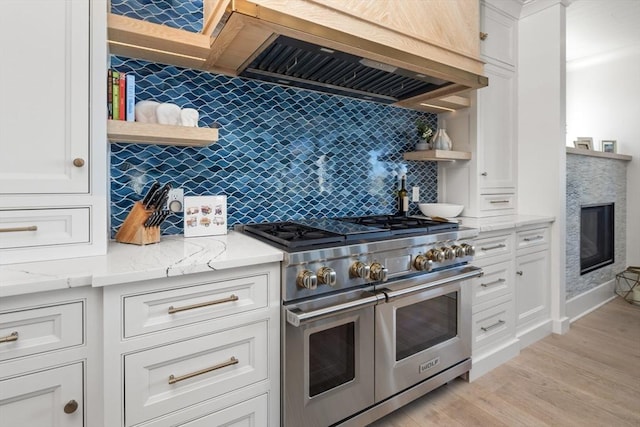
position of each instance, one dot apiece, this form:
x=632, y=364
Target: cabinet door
x=43, y=399
x=496, y=131
x=532, y=287
x=44, y=113
x=499, y=40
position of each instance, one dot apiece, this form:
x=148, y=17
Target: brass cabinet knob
x=78, y=162
x=483, y=36
x=70, y=407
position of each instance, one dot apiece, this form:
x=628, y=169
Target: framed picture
x=583, y=142
x=205, y=215
x=608, y=146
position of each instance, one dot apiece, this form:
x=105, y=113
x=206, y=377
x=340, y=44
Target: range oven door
x=328, y=359
x=422, y=329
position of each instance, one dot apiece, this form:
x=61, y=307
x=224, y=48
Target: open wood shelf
x=593, y=153
x=151, y=133
x=437, y=155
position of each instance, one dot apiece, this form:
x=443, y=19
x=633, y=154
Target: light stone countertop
x=173, y=256
x=504, y=222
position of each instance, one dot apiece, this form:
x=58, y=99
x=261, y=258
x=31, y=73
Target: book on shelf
x=131, y=97
x=109, y=94
x=123, y=94
x=116, y=94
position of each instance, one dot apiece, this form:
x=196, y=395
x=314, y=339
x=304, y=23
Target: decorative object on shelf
x=609, y=146
x=584, y=143
x=168, y=114
x=441, y=140
x=146, y=111
x=424, y=133
x=189, y=117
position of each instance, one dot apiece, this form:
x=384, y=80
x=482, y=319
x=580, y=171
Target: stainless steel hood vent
x=297, y=63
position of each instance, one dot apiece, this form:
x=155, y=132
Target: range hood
x=333, y=52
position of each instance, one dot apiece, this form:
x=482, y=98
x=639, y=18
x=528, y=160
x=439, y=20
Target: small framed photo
x=608, y=146
x=205, y=215
x=583, y=142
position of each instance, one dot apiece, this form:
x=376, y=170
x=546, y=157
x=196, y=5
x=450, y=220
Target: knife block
x=133, y=230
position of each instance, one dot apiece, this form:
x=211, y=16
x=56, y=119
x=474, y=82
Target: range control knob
x=378, y=272
x=359, y=270
x=326, y=276
x=421, y=263
x=435, y=255
x=449, y=254
x=306, y=279
x=458, y=251
x=469, y=250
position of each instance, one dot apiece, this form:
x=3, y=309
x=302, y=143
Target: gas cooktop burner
x=325, y=232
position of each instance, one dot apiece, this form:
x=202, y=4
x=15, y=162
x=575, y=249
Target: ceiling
x=596, y=27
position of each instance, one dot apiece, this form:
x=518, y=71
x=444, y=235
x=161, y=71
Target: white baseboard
x=534, y=333
x=561, y=326
x=590, y=300
x=491, y=360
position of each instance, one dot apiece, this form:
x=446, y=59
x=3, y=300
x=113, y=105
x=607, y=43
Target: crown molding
x=531, y=7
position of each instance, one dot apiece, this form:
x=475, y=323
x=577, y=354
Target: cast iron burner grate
x=399, y=225
x=292, y=235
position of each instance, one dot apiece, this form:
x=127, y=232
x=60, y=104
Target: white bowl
x=443, y=210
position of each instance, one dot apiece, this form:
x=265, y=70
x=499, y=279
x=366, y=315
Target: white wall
x=603, y=102
x=541, y=132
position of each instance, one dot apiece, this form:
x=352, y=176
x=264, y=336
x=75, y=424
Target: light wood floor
x=587, y=377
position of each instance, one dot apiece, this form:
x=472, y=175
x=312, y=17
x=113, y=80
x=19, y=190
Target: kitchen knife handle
x=150, y=193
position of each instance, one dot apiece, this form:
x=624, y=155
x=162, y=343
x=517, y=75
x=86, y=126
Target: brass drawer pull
x=490, y=248
x=495, y=325
x=532, y=239
x=10, y=338
x=13, y=229
x=495, y=282
x=203, y=304
x=498, y=201
x=483, y=35
x=174, y=379
x=519, y=273
x=70, y=407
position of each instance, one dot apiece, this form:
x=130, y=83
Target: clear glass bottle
x=441, y=140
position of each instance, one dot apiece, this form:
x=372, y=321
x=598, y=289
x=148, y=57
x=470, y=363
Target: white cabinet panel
x=251, y=413
x=496, y=281
x=40, y=329
x=44, y=227
x=39, y=399
x=44, y=116
x=492, y=326
x=532, y=287
x=176, y=307
x=165, y=379
x=499, y=43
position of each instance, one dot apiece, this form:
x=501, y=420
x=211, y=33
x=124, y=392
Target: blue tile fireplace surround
x=283, y=153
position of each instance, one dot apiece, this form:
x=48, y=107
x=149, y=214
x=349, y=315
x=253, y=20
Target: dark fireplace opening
x=596, y=237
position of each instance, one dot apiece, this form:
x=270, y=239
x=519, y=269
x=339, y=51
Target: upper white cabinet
x=53, y=170
x=487, y=185
x=44, y=118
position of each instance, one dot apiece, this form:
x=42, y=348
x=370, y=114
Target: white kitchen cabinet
x=50, y=398
x=50, y=368
x=493, y=320
x=194, y=350
x=52, y=130
x=532, y=285
x=486, y=185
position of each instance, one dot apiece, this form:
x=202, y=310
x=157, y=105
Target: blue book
x=130, y=98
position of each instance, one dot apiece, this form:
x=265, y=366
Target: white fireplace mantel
x=583, y=152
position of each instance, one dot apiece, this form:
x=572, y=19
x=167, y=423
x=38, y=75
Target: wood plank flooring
x=587, y=377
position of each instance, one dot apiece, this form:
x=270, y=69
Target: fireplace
x=596, y=237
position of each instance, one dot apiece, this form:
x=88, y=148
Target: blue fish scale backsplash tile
x=283, y=153
x=186, y=15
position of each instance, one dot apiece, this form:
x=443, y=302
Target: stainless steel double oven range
x=375, y=314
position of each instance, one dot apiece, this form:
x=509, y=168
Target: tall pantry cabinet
x=52, y=130
x=487, y=185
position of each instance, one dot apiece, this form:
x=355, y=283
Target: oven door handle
x=469, y=272
x=297, y=317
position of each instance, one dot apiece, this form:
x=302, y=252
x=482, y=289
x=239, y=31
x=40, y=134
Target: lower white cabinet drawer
x=251, y=413
x=43, y=227
x=37, y=330
x=493, y=246
x=166, y=309
x=504, y=203
x=48, y=398
x=165, y=379
x=492, y=325
x=496, y=281
x=535, y=237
